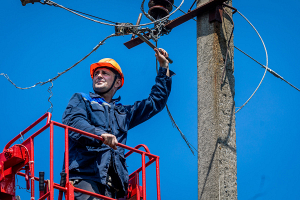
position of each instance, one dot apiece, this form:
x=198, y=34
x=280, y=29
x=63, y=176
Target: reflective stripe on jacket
x=89, y=158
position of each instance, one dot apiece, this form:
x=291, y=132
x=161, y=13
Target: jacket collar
x=94, y=95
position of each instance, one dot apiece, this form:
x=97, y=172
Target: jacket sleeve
x=147, y=108
x=76, y=116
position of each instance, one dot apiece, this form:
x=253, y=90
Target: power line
x=94, y=49
x=25, y=88
x=191, y=147
x=182, y=135
x=182, y=11
x=59, y=74
x=92, y=16
x=146, y=14
x=269, y=70
x=51, y=3
x=266, y=66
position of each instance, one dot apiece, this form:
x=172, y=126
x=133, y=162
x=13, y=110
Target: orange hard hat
x=108, y=63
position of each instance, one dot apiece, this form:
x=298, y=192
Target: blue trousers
x=95, y=187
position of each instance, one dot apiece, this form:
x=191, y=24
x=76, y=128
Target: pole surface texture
x=217, y=169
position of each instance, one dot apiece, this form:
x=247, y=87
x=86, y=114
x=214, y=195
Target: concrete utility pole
x=217, y=167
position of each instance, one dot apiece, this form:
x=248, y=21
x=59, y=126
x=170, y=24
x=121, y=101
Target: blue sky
x=39, y=41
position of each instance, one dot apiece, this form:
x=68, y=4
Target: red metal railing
x=69, y=189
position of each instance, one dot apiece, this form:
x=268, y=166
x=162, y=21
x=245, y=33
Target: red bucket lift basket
x=21, y=157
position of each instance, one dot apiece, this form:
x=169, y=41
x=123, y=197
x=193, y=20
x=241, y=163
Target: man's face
x=103, y=79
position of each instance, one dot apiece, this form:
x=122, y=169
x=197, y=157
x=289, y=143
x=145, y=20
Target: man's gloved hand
x=110, y=140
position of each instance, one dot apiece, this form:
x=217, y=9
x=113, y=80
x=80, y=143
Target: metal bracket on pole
x=216, y=14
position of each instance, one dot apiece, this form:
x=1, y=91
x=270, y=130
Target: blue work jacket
x=90, y=158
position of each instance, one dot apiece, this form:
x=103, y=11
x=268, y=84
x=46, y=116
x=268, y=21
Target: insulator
x=24, y=2
x=160, y=8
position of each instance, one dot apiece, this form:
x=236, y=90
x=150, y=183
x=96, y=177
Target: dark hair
x=115, y=72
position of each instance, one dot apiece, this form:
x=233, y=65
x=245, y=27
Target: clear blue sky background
x=38, y=41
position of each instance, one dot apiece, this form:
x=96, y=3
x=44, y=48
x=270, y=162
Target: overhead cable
x=146, y=14
x=25, y=88
x=266, y=66
x=94, y=49
x=269, y=70
x=192, y=5
x=60, y=6
x=183, y=12
x=191, y=147
x=59, y=74
x=92, y=16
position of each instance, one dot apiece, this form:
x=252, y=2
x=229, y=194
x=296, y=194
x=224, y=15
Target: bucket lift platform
x=20, y=157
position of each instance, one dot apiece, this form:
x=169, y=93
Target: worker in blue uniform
x=100, y=167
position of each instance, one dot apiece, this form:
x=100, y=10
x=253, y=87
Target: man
x=100, y=167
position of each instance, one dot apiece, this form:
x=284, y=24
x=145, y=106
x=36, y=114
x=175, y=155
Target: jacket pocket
x=97, y=115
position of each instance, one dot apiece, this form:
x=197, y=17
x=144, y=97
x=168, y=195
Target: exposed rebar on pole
x=216, y=109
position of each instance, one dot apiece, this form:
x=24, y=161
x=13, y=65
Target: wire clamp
x=123, y=28
x=48, y=2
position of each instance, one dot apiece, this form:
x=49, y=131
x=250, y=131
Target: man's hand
x=161, y=57
x=110, y=140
